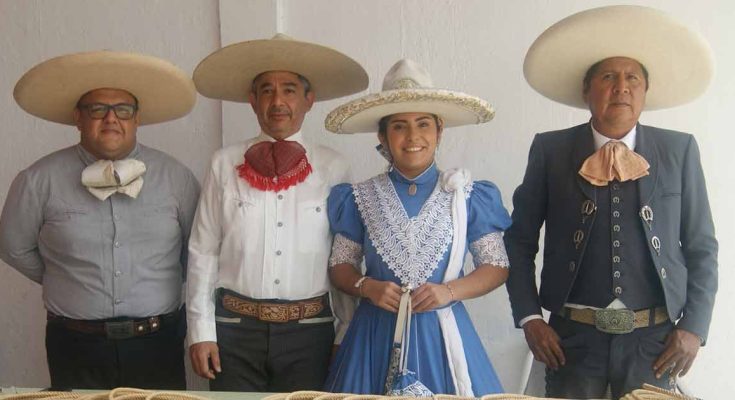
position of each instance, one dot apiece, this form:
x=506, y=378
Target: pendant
x=412, y=189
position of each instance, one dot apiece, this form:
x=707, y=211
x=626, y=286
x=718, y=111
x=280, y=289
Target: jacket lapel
x=584, y=146
x=646, y=147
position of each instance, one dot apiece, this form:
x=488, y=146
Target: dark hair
x=593, y=69
x=304, y=82
x=383, y=123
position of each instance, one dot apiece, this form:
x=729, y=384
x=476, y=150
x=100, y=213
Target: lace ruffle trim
x=490, y=249
x=411, y=247
x=345, y=251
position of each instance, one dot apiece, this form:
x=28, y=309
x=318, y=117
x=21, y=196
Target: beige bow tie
x=105, y=178
x=612, y=161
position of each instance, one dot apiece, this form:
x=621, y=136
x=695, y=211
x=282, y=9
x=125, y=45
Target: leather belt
x=123, y=329
x=616, y=321
x=274, y=312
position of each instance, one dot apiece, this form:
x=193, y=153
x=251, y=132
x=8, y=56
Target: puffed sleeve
x=346, y=226
x=487, y=218
x=486, y=213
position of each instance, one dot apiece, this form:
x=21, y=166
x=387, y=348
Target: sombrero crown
x=678, y=59
x=407, y=87
x=51, y=89
x=228, y=73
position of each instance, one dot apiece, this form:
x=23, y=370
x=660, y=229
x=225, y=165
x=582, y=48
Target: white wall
x=475, y=46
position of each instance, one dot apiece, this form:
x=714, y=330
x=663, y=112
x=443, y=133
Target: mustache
x=279, y=110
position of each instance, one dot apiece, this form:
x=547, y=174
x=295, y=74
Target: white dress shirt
x=262, y=244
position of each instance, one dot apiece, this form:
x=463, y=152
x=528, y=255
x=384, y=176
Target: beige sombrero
x=678, y=59
x=51, y=89
x=228, y=73
x=407, y=87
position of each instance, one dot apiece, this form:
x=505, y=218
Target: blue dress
x=362, y=361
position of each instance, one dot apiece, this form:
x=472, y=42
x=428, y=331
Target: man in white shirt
x=258, y=304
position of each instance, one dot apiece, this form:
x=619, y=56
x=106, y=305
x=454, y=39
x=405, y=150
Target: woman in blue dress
x=413, y=225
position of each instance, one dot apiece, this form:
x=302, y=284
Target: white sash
x=456, y=180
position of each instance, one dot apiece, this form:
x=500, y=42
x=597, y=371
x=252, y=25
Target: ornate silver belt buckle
x=616, y=322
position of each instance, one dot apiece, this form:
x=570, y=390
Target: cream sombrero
x=407, y=87
x=51, y=89
x=228, y=73
x=678, y=59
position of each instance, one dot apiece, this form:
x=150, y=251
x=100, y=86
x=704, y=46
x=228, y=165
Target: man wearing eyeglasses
x=103, y=225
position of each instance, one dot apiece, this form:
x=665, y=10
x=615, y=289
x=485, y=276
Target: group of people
x=296, y=278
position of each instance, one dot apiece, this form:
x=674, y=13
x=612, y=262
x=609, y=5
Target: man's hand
x=384, y=294
x=678, y=355
x=544, y=343
x=205, y=359
x=430, y=296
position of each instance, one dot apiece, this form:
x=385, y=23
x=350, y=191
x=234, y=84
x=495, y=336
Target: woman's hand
x=384, y=294
x=430, y=296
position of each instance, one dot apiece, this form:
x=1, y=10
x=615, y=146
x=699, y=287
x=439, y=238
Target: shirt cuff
x=530, y=318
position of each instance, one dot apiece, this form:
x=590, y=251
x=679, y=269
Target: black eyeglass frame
x=114, y=107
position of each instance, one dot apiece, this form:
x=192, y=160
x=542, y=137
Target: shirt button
x=280, y=197
x=616, y=243
x=278, y=252
x=277, y=281
x=616, y=259
x=118, y=273
x=117, y=244
x=616, y=199
x=618, y=290
x=663, y=273
x=616, y=228
x=616, y=214
x=615, y=186
x=318, y=209
x=116, y=217
x=280, y=224
x=616, y=274
x=118, y=301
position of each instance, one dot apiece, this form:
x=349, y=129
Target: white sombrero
x=407, y=87
x=51, y=89
x=228, y=73
x=678, y=59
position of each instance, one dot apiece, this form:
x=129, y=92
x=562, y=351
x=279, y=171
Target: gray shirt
x=100, y=259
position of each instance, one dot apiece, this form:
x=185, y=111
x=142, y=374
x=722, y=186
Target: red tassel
x=293, y=177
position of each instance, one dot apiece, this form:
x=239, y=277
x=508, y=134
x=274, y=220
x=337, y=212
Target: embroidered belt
x=616, y=321
x=123, y=329
x=275, y=312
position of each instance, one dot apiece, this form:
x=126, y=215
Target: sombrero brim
x=678, y=59
x=363, y=114
x=228, y=73
x=51, y=89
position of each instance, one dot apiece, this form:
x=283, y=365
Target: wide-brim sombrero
x=407, y=87
x=228, y=73
x=678, y=59
x=51, y=89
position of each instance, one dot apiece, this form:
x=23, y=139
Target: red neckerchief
x=275, y=166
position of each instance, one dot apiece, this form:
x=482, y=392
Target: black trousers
x=90, y=361
x=259, y=356
x=595, y=360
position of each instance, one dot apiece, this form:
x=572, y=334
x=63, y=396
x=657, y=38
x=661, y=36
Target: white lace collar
x=411, y=247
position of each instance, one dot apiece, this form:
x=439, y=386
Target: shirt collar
x=296, y=137
x=600, y=139
x=87, y=157
x=428, y=176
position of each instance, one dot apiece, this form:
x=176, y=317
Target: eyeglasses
x=123, y=111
